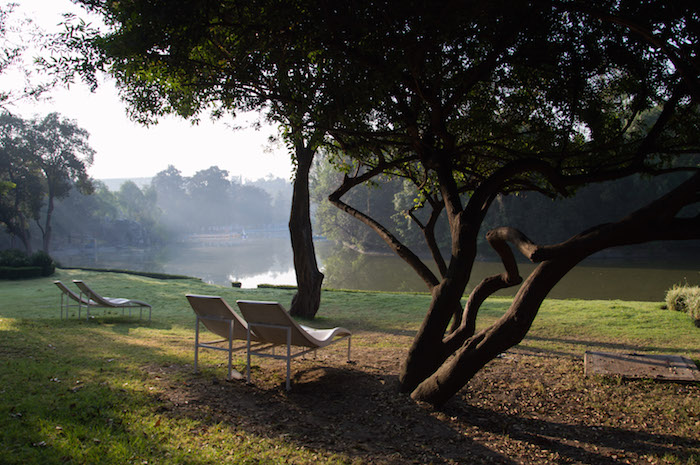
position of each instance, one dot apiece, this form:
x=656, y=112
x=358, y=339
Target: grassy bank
x=119, y=390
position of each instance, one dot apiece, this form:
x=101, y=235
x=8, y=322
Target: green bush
x=16, y=264
x=43, y=261
x=276, y=286
x=685, y=299
x=14, y=257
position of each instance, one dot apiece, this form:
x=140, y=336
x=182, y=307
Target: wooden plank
x=661, y=367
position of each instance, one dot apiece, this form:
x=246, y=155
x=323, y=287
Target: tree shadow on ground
x=356, y=410
x=338, y=410
x=582, y=343
x=577, y=442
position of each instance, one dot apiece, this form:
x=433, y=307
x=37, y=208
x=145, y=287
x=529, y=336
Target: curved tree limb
x=428, y=230
x=498, y=239
x=392, y=241
x=656, y=221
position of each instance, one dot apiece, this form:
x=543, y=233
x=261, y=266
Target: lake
x=269, y=261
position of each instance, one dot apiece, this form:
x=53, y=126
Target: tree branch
x=392, y=241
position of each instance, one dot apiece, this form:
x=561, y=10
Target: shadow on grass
x=585, y=344
x=577, y=443
x=349, y=409
x=338, y=410
x=117, y=323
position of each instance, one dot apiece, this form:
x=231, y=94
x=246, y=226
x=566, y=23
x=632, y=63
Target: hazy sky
x=126, y=149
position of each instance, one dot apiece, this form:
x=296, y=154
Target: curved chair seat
x=218, y=317
x=271, y=323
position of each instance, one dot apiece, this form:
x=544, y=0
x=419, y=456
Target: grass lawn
x=120, y=390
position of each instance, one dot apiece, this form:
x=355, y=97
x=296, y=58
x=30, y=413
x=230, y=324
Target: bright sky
x=125, y=149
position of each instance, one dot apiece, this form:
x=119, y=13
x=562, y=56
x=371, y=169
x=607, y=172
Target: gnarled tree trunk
x=462, y=354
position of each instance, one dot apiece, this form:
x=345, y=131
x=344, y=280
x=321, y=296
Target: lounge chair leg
x=196, y=344
x=247, y=367
x=230, y=349
x=289, y=358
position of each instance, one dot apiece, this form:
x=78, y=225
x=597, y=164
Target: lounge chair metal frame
x=68, y=295
x=288, y=330
x=107, y=302
x=289, y=355
x=216, y=344
x=210, y=344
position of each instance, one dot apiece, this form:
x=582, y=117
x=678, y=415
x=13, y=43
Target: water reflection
x=269, y=261
x=591, y=280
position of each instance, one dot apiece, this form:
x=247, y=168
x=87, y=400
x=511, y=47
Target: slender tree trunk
x=25, y=238
x=21, y=230
x=47, y=225
x=309, y=279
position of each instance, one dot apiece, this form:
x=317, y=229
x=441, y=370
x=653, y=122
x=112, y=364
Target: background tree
x=169, y=185
x=43, y=158
x=210, y=195
x=21, y=201
x=62, y=151
x=139, y=205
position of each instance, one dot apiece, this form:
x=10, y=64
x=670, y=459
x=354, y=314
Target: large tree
x=22, y=197
x=503, y=97
x=61, y=149
x=190, y=57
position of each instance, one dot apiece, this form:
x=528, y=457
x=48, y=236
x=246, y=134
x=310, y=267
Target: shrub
x=13, y=257
x=19, y=272
x=43, y=261
x=685, y=299
x=15, y=264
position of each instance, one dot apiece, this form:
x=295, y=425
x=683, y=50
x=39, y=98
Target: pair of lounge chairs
x=91, y=299
x=264, y=326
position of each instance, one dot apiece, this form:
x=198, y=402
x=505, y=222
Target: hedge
x=20, y=272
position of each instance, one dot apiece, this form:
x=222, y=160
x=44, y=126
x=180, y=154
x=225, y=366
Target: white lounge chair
x=111, y=302
x=218, y=317
x=271, y=323
x=67, y=295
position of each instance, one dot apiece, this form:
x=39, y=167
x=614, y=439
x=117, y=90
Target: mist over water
x=269, y=261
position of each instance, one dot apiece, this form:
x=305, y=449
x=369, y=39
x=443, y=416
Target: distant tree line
x=209, y=200
x=48, y=200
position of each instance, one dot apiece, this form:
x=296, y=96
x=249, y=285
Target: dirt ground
x=526, y=407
